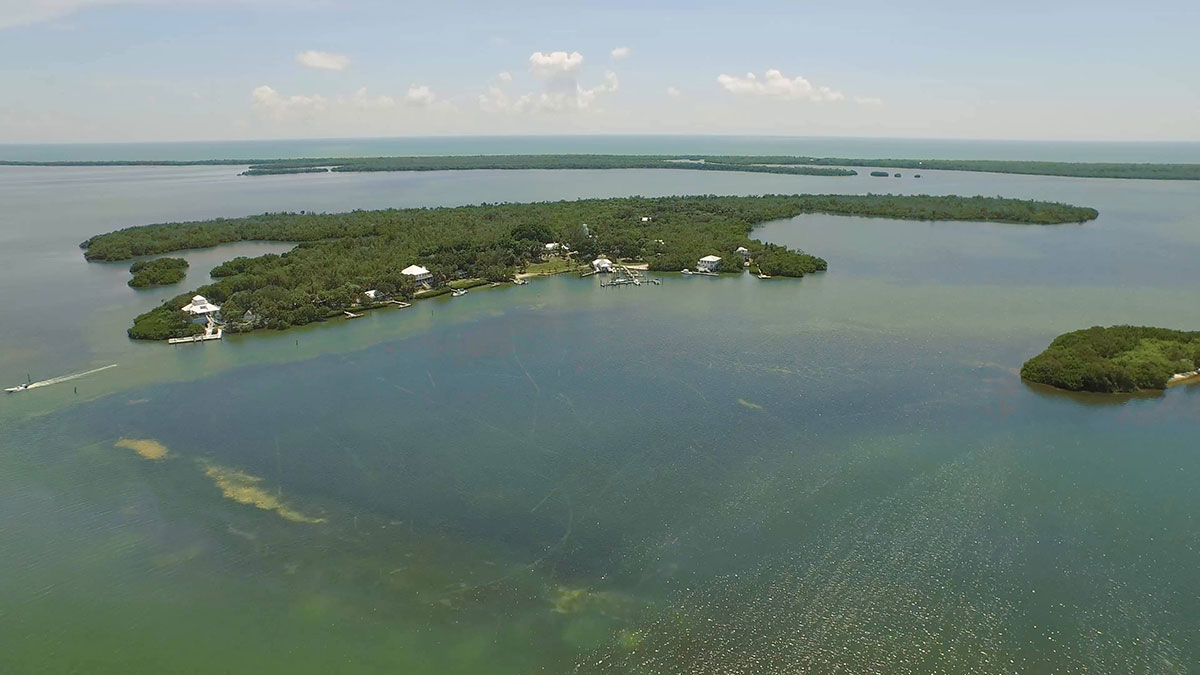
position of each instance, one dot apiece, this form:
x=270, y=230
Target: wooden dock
x=211, y=332
x=195, y=338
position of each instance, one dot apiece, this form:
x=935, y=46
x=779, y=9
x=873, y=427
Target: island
x=779, y=164
x=157, y=272
x=1117, y=359
x=362, y=259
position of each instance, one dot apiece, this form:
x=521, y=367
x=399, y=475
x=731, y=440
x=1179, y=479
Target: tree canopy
x=340, y=256
x=1115, y=359
x=158, y=272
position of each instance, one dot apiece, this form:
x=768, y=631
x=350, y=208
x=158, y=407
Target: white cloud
x=505, y=76
x=621, y=52
x=495, y=100
x=555, y=64
x=674, y=91
x=362, y=100
x=561, y=90
x=270, y=104
x=323, y=60
x=775, y=84
x=420, y=95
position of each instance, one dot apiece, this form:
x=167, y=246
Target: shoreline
x=1180, y=378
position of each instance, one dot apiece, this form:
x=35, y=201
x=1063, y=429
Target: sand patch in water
x=148, y=448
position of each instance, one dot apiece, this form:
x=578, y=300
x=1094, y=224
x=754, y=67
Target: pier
x=627, y=276
x=211, y=332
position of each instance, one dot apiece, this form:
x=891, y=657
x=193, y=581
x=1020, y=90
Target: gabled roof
x=414, y=270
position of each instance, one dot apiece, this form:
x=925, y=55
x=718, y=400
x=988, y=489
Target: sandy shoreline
x=1178, y=378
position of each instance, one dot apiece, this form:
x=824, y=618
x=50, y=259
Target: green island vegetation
x=517, y=162
x=158, y=272
x=787, y=164
x=1115, y=359
x=340, y=256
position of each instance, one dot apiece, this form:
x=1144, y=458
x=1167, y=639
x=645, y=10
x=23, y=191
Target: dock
x=211, y=332
x=195, y=338
x=350, y=315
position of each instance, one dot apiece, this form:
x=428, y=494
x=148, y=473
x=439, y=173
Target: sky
x=174, y=70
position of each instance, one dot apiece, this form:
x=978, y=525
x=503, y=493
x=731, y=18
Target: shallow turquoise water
x=841, y=473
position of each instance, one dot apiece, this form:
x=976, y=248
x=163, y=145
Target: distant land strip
x=780, y=164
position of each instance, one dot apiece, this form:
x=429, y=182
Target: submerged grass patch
x=243, y=488
x=148, y=448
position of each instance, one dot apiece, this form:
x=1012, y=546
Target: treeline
x=158, y=272
x=135, y=162
x=1115, y=359
x=525, y=162
x=340, y=256
x=1072, y=169
x=789, y=164
x=426, y=226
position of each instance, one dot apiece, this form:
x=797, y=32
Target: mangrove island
x=158, y=272
x=362, y=259
x=1118, y=359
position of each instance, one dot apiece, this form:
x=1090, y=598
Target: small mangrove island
x=363, y=259
x=157, y=272
x=1118, y=359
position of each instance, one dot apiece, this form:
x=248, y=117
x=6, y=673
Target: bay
x=711, y=475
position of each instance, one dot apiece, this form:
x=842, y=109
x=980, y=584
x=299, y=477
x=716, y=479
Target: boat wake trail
x=57, y=380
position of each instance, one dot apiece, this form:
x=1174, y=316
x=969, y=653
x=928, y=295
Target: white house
x=554, y=246
x=602, y=265
x=372, y=294
x=645, y=219
x=199, y=306
x=419, y=274
x=708, y=263
x=744, y=251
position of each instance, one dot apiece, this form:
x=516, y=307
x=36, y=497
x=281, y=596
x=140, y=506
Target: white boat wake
x=57, y=380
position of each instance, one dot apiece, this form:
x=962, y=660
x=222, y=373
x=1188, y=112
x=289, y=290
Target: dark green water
x=837, y=474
